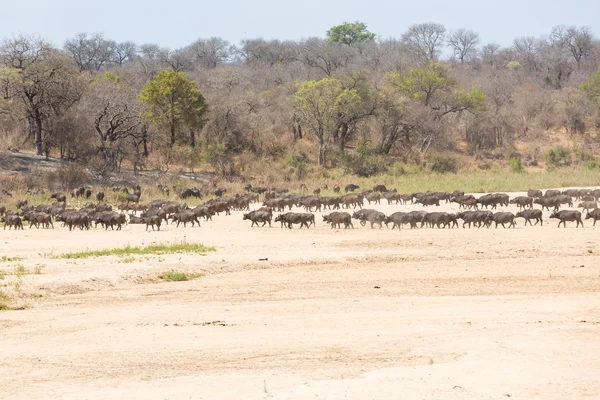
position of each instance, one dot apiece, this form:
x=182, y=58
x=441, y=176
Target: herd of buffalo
x=473, y=212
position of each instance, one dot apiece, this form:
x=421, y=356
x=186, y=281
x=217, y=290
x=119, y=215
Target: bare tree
x=464, y=44
x=425, y=40
x=125, y=51
x=326, y=56
x=211, y=52
x=526, y=52
x=90, y=52
x=578, y=40
x=489, y=54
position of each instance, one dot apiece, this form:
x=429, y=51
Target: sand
x=331, y=314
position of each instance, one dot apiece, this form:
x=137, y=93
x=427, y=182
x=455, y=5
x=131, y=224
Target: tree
x=174, y=102
x=350, y=33
x=91, y=52
x=326, y=56
x=464, y=44
x=578, y=41
x=425, y=40
x=125, y=51
x=112, y=111
x=431, y=97
x=526, y=52
x=48, y=83
x=322, y=106
x=211, y=52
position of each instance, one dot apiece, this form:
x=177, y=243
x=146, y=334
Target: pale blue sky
x=176, y=23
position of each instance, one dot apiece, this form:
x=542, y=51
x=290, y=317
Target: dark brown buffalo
x=588, y=205
x=552, y=193
x=289, y=219
x=259, y=216
x=100, y=196
x=61, y=198
x=595, y=215
x=37, y=218
x=523, y=201
x=373, y=197
x=336, y=219
x=440, y=219
x=528, y=215
x=397, y=219
x=351, y=187
x=534, y=193
x=371, y=216
x=429, y=200
x=477, y=218
x=565, y=216
x=336, y=188
x=380, y=188
x=185, y=217
x=501, y=218
x=12, y=221
x=152, y=221
x=415, y=217
x=547, y=202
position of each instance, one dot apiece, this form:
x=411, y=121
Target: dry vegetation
x=395, y=108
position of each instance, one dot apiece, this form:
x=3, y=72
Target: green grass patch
x=10, y=259
x=178, y=276
x=153, y=249
x=19, y=271
x=482, y=181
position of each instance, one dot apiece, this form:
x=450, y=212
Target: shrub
x=593, y=164
x=178, y=276
x=516, y=165
x=299, y=164
x=558, y=157
x=442, y=164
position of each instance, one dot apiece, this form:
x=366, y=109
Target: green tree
x=46, y=82
x=591, y=86
x=350, y=33
x=174, y=102
x=323, y=106
x=436, y=90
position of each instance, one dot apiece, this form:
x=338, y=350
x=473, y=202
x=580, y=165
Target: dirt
x=331, y=314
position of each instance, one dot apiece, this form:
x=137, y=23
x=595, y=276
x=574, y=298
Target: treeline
x=341, y=100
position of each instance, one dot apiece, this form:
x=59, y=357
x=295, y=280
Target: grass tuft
x=178, y=276
x=195, y=248
x=10, y=259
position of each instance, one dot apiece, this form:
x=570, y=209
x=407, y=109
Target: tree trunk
x=145, y=139
x=322, y=152
x=38, y=133
x=172, y=134
x=192, y=138
x=343, y=137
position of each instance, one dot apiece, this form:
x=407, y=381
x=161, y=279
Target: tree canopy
x=174, y=102
x=350, y=33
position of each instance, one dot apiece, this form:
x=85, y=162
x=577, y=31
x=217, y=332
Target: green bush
x=366, y=161
x=593, y=164
x=558, y=157
x=442, y=164
x=516, y=165
x=299, y=164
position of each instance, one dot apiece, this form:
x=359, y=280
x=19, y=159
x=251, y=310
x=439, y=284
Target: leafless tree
x=211, y=52
x=91, y=52
x=425, y=40
x=125, y=51
x=463, y=43
x=526, y=52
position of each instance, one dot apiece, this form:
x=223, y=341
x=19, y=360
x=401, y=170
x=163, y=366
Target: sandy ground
x=332, y=314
